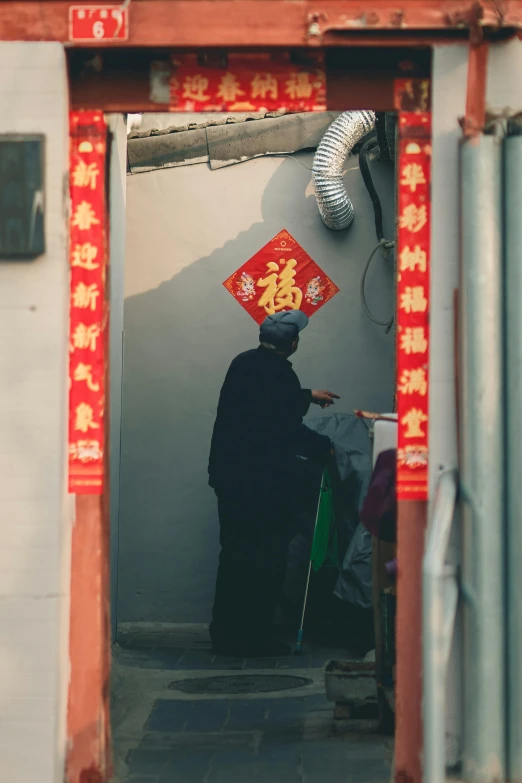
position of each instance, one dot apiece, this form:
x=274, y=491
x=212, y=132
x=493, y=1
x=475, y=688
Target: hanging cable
x=382, y=139
x=369, y=145
x=385, y=245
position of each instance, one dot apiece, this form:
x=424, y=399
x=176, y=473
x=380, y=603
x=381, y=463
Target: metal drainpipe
x=439, y=598
x=482, y=464
x=513, y=321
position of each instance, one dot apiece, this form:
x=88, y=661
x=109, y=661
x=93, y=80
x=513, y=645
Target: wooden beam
x=362, y=78
x=281, y=23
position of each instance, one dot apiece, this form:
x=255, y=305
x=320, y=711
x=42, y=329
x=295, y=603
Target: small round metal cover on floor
x=243, y=683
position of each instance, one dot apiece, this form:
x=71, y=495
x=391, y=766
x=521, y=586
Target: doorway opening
x=200, y=205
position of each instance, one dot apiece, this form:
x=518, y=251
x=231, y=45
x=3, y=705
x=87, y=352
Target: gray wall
x=188, y=229
x=117, y=195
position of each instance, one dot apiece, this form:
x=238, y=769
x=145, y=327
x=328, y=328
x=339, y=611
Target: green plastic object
x=324, y=544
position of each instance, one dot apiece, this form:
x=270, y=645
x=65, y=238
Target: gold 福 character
x=280, y=289
x=413, y=300
x=413, y=340
x=299, y=86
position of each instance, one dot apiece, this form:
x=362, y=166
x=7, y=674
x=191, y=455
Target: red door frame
x=257, y=23
x=88, y=734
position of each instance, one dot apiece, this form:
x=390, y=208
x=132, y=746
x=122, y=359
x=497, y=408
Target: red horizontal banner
x=246, y=84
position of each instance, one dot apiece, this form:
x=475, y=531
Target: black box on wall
x=22, y=202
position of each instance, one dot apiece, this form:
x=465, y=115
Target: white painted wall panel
x=34, y=523
x=449, y=97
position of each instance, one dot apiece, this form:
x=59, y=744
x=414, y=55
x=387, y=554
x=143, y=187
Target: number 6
x=98, y=30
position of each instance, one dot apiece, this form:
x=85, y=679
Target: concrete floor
x=161, y=735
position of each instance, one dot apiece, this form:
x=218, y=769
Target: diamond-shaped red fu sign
x=280, y=276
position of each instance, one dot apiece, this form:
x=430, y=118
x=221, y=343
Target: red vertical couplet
x=413, y=284
x=88, y=311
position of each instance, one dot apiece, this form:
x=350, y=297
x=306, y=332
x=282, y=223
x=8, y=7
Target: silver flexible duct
x=335, y=207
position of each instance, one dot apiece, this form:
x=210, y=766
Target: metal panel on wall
x=22, y=202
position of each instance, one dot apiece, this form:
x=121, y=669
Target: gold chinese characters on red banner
x=88, y=258
x=247, y=83
x=280, y=276
x=413, y=267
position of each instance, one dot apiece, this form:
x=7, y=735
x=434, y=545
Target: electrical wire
x=372, y=143
x=380, y=127
x=386, y=245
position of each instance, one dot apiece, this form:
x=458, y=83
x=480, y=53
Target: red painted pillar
x=88, y=726
x=411, y=527
x=413, y=327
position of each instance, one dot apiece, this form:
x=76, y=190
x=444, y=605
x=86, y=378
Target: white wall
x=504, y=86
x=188, y=229
x=34, y=518
x=503, y=94
x=449, y=101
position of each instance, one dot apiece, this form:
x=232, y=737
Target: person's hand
x=324, y=398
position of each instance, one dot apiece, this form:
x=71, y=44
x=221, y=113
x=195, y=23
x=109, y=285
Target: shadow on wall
x=179, y=340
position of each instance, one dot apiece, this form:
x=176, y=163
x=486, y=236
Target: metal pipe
x=335, y=207
x=439, y=600
x=482, y=454
x=513, y=323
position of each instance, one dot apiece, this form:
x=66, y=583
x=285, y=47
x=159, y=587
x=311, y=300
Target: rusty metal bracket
x=314, y=31
x=474, y=120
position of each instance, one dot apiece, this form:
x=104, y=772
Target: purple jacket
x=379, y=511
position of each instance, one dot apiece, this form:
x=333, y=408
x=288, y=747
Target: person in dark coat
x=258, y=434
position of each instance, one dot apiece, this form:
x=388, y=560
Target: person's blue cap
x=282, y=328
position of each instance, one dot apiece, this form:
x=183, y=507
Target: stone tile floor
x=165, y=736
